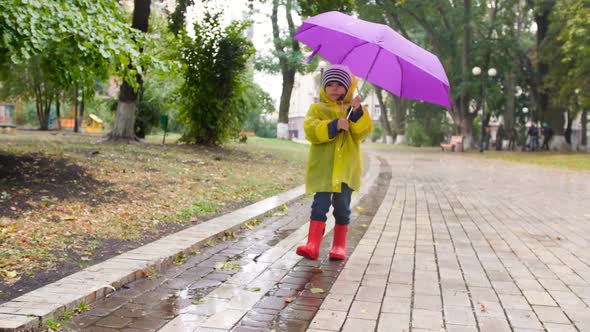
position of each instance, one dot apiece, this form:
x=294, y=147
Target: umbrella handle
x=360, y=95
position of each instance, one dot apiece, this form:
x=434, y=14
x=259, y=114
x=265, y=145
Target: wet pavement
x=290, y=305
x=446, y=243
x=149, y=303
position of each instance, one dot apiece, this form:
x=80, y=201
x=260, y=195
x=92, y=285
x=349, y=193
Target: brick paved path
x=465, y=245
x=458, y=244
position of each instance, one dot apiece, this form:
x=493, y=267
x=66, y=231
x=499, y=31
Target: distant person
x=547, y=135
x=512, y=136
x=485, y=133
x=533, y=133
x=500, y=134
x=335, y=164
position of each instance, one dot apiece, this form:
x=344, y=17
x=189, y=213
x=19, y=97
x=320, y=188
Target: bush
x=148, y=113
x=266, y=128
x=416, y=134
x=215, y=62
x=377, y=133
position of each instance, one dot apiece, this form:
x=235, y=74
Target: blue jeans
x=534, y=144
x=340, y=201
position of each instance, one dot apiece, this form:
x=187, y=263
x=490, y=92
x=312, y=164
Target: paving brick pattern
x=465, y=245
x=291, y=305
x=458, y=244
x=148, y=304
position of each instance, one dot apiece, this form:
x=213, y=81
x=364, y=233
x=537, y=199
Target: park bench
x=455, y=144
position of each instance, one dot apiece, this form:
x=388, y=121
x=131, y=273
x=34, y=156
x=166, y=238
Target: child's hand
x=342, y=124
x=356, y=102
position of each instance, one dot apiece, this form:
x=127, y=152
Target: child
x=335, y=161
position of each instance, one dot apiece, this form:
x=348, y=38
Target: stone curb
x=32, y=310
x=225, y=306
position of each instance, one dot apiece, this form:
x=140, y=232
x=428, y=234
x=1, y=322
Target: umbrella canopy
x=378, y=54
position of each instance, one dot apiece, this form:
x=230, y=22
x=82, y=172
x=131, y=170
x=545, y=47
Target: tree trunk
x=544, y=109
x=124, y=125
x=510, y=101
x=399, y=115
x=58, y=112
x=383, y=118
x=584, y=121
x=568, y=129
x=76, y=108
x=466, y=129
x=283, y=123
x=464, y=99
x=80, y=115
x=287, y=69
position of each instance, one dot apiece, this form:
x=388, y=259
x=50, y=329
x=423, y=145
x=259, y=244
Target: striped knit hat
x=337, y=73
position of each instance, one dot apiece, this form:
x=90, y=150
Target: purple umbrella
x=378, y=54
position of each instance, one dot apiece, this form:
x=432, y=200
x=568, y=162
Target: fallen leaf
x=8, y=274
x=316, y=290
x=317, y=270
x=482, y=307
x=288, y=300
x=359, y=209
x=558, y=238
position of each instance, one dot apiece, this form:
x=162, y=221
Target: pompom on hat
x=337, y=73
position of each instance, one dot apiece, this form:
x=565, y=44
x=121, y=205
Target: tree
x=461, y=33
x=124, y=125
x=214, y=65
x=567, y=79
x=70, y=43
x=288, y=51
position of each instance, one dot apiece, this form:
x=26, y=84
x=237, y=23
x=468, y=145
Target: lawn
x=64, y=200
x=566, y=160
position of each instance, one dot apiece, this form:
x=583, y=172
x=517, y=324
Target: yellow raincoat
x=337, y=160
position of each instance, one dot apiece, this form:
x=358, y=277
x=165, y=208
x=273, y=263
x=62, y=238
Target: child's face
x=334, y=90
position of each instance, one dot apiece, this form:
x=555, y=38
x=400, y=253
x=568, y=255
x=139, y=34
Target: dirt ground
x=66, y=203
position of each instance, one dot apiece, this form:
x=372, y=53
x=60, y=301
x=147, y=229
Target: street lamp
x=492, y=72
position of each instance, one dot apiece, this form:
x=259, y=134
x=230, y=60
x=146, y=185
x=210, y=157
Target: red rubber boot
x=314, y=240
x=339, y=245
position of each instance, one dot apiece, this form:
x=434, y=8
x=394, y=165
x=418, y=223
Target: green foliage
x=427, y=125
x=258, y=103
x=377, y=132
x=148, y=112
x=313, y=7
x=79, y=38
x=416, y=134
x=56, y=47
x=215, y=61
x=568, y=51
x=266, y=128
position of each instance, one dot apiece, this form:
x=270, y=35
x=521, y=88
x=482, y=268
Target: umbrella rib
x=350, y=51
x=373, y=63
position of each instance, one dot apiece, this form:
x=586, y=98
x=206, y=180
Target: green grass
x=276, y=148
x=565, y=160
x=125, y=191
